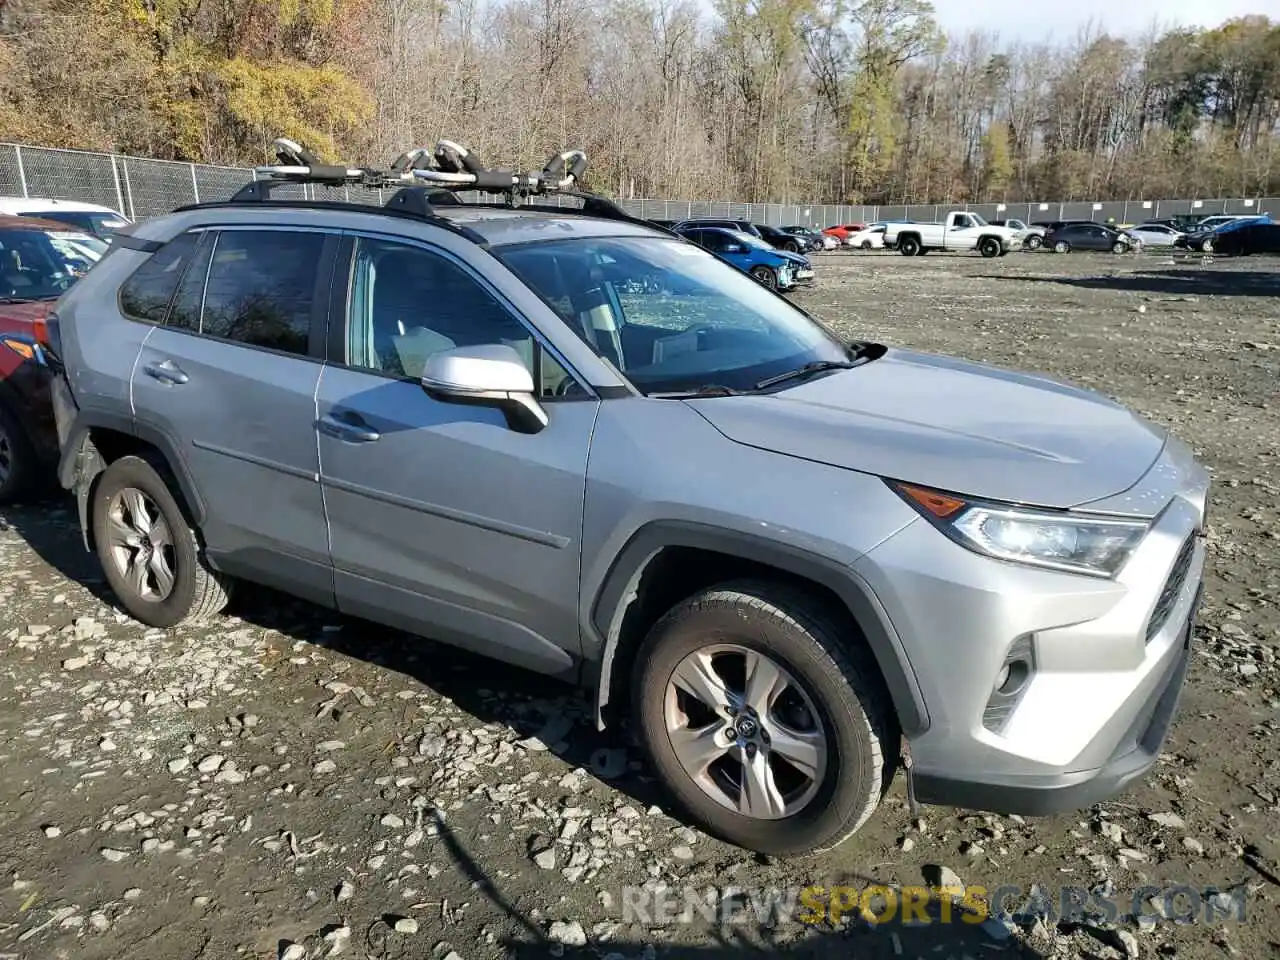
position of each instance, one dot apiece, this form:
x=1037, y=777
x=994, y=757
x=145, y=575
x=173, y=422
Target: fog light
x=1012, y=676
x=1009, y=684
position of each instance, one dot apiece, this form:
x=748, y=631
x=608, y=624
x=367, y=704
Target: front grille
x=1172, y=587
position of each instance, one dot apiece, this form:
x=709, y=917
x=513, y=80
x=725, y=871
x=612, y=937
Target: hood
x=21, y=317
x=951, y=424
x=798, y=259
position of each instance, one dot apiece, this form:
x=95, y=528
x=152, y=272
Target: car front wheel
x=1034, y=242
x=149, y=553
x=1062, y=247
x=764, y=719
x=990, y=247
x=1119, y=247
x=18, y=466
x=765, y=276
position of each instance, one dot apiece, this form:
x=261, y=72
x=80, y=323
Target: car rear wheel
x=909, y=246
x=765, y=276
x=1062, y=247
x=1034, y=242
x=764, y=720
x=18, y=463
x=150, y=554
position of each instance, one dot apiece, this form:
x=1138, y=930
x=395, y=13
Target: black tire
x=1062, y=247
x=792, y=246
x=989, y=247
x=866, y=244
x=838, y=675
x=909, y=246
x=19, y=465
x=1206, y=245
x=1035, y=241
x=198, y=591
x=1119, y=247
x=765, y=276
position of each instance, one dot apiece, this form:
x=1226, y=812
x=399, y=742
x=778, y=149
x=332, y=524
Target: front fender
x=619, y=588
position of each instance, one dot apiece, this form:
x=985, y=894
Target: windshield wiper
x=706, y=390
x=817, y=366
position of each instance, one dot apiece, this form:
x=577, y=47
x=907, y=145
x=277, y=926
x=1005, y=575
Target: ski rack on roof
x=449, y=167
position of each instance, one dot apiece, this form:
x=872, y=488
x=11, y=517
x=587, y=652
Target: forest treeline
x=762, y=100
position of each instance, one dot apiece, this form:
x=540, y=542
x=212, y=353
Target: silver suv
x=580, y=444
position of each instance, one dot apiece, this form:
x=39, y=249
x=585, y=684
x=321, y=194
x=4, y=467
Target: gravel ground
x=286, y=783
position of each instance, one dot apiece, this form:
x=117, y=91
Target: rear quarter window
x=146, y=295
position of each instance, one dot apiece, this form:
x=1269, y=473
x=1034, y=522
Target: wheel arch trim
x=81, y=462
x=618, y=589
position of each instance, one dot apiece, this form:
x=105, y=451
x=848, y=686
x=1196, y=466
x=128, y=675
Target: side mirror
x=491, y=375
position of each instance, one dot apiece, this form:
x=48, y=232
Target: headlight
x=1056, y=539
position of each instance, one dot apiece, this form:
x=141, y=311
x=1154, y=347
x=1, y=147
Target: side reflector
x=24, y=350
x=938, y=504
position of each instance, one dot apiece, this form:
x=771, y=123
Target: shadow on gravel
x=1218, y=283
x=960, y=935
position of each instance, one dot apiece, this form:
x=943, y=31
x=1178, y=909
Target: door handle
x=166, y=371
x=350, y=428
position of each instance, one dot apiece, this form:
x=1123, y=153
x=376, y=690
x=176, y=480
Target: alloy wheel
x=745, y=731
x=141, y=544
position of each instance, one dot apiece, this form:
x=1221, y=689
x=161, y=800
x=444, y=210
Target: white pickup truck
x=961, y=230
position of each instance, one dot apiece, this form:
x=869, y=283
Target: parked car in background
x=817, y=239
x=1206, y=239
x=1260, y=237
x=872, y=238
x=745, y=226
x=962, y=230
x=1217, y=222
x=776, y=269
x=90, y=218
x=1088, y=236
x=1156, y=235
x=664, y=224
x=841, y=231
x=779, y=239
x=39, y=261
x=1027, y=235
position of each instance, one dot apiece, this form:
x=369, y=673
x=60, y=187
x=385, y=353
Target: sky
x=1035, y=20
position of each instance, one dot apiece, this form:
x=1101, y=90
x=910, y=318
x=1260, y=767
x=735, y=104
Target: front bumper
x=1135, y=754
x=1108, y=656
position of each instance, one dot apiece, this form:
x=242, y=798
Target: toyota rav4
x=572, y=441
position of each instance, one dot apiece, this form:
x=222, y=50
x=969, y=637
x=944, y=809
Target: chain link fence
x=141, y=188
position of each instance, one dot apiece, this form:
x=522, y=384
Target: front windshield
x=672, y=317
x=42, y=265
x=741, y=236
x=99, y=224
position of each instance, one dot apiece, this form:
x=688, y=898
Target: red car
x=39, y=261
x=841, y=231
